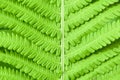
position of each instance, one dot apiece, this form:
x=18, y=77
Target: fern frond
x=43, y=25
x=40, y=40
x=109, y=76
x=7, y=73
x=90, y=63
x=95, y=41
x=40, y=7
x=87, y=13
x=26, y=66
x=56, y=3
x=102, y=69
x=74, y=37
x=21, y=45
x=73, y=6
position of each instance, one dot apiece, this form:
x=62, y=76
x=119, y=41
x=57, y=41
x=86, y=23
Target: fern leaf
x=109, y=76
x=74, y=37
x=11, y=74
x=33, y=35
x=26, y=66
x=87, y=13
x=57, y=3
x=96, y=41
x=103, y=69
x=71, y=6
x=40, y=7
x=44, y=26
x=12, y=41
x=84, y=66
